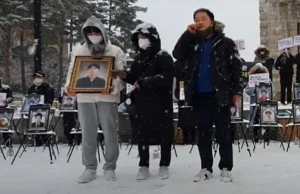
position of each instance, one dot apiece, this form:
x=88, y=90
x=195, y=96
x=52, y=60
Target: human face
x=202, y=21
x=92, y=72
x=38, y=119
x=264, y=93
x=69, y=101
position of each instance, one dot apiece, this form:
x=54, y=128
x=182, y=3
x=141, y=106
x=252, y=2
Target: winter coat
x=265, y=60
x=285, y=64
x=45, y=89
x=224, y=60
x=297, y=61
x=152, y=69
x=110, y=50
x=7, y=90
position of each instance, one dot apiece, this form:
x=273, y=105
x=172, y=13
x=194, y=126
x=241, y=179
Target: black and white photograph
x=68, y=103
x=268, y=111
x=263, y=92
x=237, y=111
x=297, y=91
x=38, y=118
x=29, y=101
x=296, y=111
x=6, y=116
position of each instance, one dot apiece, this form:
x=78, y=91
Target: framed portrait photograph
x=6, y=116
x=296, y=111
x=263, y=92
x=297, y=91
x=268, y=113
x=91, y=75
x=38, y=118
x=236, y=111
x=68, y=103
x=30, y=100
x=51, y=118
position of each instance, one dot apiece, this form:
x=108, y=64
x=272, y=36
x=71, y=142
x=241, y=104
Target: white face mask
x=144, y=43
x=95, y=39
x=38, y=81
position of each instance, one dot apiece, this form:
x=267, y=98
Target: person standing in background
x=284, y=64
x=297, y=61
x=262, y=55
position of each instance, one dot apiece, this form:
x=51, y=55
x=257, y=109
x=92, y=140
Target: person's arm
x=278, y=62
x=164, y=78
x=185, y=46
x=235, y=67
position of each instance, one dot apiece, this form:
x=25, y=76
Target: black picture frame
x=65, y=103
x=42, y=113
x=237, y=111
x=6, y=118
x=268, y=112
x=263, y=92
x=296, y=88
x=296, y=111
x=31, y=99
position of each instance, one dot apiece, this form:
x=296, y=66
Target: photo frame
x=38, y=118
x=296, y=111
x=236, y=111
x=87, y=68
x=268, y=112
x=6, y=117
x=263, y=92
x=68, y=103
x=51, y=118
x=297, y=91
x=30, y=100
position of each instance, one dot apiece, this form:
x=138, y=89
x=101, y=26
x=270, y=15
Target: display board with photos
x=30, y=100
x=6, y=118
x=38, y=118
x=297, y=91
x=296, y=111
x=263, y=92
x=68, y=103
x=236, y=111
x=268, y=112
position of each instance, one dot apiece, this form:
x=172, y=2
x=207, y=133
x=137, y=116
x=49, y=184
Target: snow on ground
x=269, y=170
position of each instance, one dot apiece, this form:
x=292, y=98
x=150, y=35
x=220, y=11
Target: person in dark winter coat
x=262, y=55
x=297, y=61
x=213, y=83
x=284, y=64
x=42, y=88
x=152, y=75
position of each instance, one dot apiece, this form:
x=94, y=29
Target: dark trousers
x=189, y=135
x=286, y=81
x=207, y=113
x=165, y=152
x=69, y=121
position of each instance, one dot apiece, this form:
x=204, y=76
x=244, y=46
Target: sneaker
x=87, y=176
x=164, y=172
x=226, y=175
x=204, y=174
x=143, y=173
x=109, y=175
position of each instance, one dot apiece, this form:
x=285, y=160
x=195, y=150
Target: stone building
x=278, y=20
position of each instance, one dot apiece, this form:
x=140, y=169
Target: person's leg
x=165, y=151
x=144, y=155
x=282, y=88
x=289, y=84
x=87, y=115
x=108, y=117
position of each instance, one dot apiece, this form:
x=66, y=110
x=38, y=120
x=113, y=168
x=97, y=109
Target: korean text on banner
x=240, y=44
x=285, y=43
x=297, y=40
x=255, y=79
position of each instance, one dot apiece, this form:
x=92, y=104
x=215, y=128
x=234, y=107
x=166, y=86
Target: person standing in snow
x=95, y=108
x=284, y=64
x=213, y=86
x=262, y=55
x=152, y=98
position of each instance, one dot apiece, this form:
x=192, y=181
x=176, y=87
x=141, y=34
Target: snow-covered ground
x=269, y=170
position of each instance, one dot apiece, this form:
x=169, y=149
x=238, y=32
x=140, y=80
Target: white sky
x=171, y=17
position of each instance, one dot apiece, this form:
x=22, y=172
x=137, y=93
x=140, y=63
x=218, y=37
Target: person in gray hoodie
x=96, y=109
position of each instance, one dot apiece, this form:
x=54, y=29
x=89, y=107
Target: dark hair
x=94, y=65
x=209, y=13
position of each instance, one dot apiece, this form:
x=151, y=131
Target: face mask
x=144, y=43
x=95, y=39
x=262, y=52
x=38, y=81
x=204, y=33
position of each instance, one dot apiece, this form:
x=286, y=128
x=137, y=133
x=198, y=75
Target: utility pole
x=37, y=35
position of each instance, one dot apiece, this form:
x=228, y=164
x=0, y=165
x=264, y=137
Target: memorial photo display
x=236, y=111
x=263, y=92
x=268, y=113
x=6, y=116
x=32, y=99
x=297, y=91
x=38, y=118
x=68, y=103
x=296, y=111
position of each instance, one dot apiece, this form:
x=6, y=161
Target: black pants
x=69, y=120
x=286, y=81
x=208, y=113
x=165, y=151
x=189, y=135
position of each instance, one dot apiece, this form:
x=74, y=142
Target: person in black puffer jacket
x=42, y=88
x=152, y=74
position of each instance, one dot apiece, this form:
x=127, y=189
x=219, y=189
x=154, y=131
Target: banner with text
x=240, y=44
x=255, y=79
x=285, y=43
